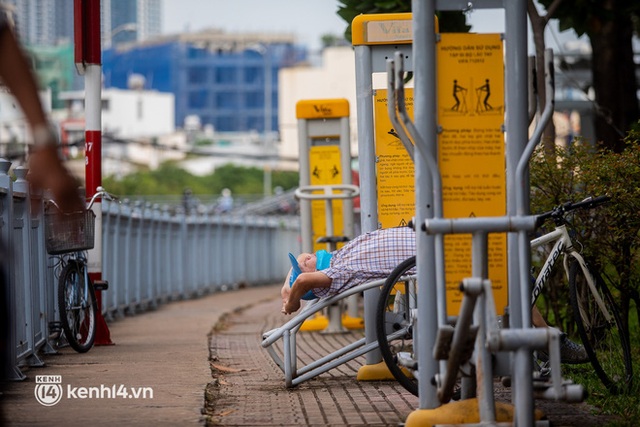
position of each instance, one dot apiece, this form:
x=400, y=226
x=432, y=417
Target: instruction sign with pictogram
x=472, y=152
x=325, y=169
x=394, y=167
x=471, y=155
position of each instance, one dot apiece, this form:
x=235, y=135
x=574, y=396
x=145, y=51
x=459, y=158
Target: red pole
x=88, y=59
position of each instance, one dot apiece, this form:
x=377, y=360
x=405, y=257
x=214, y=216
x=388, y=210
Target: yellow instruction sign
x=394, y=167
x=324, y=162
x=471, y=151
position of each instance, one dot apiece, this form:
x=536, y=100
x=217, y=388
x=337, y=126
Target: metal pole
x=88, y=59
x=517, y=122
x=368, y=192
x=424, y=57
x=268, y=100
x=304, y=180
x=484, y=369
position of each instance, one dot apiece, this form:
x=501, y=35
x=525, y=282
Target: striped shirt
x=368, y=257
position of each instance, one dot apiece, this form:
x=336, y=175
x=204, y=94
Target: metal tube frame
x=517, y=196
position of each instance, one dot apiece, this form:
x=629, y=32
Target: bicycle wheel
x=394, y=324
x=77, y=306
x=606, y=341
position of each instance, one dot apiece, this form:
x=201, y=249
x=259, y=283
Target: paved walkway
x=249, y=388
x=168, y=351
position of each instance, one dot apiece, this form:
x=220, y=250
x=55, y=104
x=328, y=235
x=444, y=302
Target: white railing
x=149, y=257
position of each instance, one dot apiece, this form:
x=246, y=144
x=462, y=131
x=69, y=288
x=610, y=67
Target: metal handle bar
x=101, y=192
x=347, y=191
x=559, y=211
x=590, y=202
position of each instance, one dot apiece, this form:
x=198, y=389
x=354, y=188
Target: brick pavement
x=168, y=349
x=248, y=388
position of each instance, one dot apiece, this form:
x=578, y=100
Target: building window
x=254, y=99
x=253, y=75
x=227, y=99
x=225, y=75
x=197, y=75
x=197, y=99
x=255, y=123
x=226, y=123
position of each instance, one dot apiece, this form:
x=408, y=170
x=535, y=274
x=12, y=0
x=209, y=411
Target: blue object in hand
x=295, y=272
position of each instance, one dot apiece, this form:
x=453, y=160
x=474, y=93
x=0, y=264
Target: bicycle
x=594, y=309
x=69, y=236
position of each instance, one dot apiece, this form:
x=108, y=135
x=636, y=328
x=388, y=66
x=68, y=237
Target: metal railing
x=150, y=256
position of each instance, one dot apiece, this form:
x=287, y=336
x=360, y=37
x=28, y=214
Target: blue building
x=228, y=81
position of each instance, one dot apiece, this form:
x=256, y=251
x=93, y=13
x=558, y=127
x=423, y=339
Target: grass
x=625, y=406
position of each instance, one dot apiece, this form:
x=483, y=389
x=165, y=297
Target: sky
x=308, y=20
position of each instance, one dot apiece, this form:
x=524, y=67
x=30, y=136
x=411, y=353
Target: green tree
x=610, y=27
x=170, y=179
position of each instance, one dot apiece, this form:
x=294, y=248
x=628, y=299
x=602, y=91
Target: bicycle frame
x=563, y=246
x=81, y=258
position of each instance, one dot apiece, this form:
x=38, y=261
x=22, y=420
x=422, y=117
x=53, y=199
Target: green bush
x=610, y=233
x=609, y=238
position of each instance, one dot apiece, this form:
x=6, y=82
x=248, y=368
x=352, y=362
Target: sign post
x=88, y=60
x=375, y=38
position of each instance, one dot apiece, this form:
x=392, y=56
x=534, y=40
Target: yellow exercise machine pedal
x=350, y=322
x=461, y=412
x=319, y=322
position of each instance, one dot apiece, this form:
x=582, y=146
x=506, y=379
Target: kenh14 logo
x=48, y=389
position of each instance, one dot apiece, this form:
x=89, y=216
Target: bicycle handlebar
x=559, y=211
x=590, y=202
x=101, y=192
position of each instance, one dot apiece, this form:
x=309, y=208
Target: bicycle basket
x=69, y=232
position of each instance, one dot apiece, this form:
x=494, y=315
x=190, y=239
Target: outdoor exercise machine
x=437, y=136
x=326, y=193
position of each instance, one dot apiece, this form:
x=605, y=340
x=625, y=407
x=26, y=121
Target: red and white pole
x=88, y=59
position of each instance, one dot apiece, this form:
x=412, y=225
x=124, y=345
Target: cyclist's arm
x=45, y=167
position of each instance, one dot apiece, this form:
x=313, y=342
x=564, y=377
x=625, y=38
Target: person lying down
x=368, y=257
x=371, y=256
